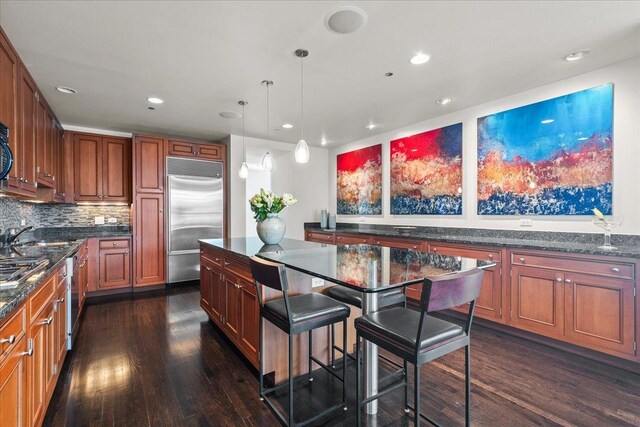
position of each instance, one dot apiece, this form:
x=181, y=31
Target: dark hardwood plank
x=155, y=360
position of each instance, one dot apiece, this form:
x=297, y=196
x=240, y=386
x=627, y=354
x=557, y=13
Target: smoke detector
x=345, y=19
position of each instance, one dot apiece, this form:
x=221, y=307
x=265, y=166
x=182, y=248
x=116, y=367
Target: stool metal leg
x=467, y=378
x=333, y=346
x=310, y=353
x=261, y=359
x=406, y=386
x=344, y=364
x=358, y=382
x=291, y=380
x=416, y=395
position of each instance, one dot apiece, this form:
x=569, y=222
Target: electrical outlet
x=98, y=220
x=317, y=282
x=23, y=222
x=112, y=220
x=526, y=223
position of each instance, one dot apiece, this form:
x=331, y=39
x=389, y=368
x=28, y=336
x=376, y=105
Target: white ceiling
x=202, y=57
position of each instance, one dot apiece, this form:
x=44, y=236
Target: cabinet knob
x=415, y=247
x=115, y=243
x=160, y=188
x=615, y=269
x=558, y=279
x=567, y=280
x=10, y=340
x=217, y=259
x=48, y=320
x=226, y=263
x=160, y=211
x=435, y=249
x=522, y=260
x=237, y=286
x=490, y=256
x=126, y=252
x=208, y=268
x=30, y=351
x=328, y=237
x=339, y=238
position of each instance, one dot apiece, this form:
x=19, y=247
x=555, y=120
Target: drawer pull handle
x=558, y=279
x=48, y=320
x=490, y=256
x=115, y=243
x=522, y=260
x=415, y=247
x=615, y=269
x=208, y=268
x=226, y=263
x=60, y=301
x=328, y=237
x=30, y=351
x=237, y=286
x=217, y=259
x=567, y=280
x=10, y=340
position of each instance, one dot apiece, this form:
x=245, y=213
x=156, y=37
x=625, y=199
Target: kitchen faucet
x=12, y=235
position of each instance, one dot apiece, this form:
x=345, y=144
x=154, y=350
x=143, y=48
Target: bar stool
x=418, y=338
x=295, y=315
x=354, y=297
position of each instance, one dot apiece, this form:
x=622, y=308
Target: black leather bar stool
x=295, y=315
x=354, y=297
x=418, y=338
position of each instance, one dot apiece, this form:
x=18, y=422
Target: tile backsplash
x=58, y=215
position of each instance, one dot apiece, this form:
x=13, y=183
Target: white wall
x=626, y=142
x=306, y=182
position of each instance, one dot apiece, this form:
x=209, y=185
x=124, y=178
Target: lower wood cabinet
x=229, y=298
x=114, y=264
x=13, y=385
x=149, y=239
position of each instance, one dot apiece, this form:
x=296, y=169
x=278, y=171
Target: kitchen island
x=228, y=294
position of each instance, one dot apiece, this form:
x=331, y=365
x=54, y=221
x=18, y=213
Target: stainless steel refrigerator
x=195, y=207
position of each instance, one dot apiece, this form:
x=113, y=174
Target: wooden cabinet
x=60, y=320
x=415, y=245
x=60, y=163
x=347, y=239
x=101, y=168
x=228, y=295
x=13, y=385
x=149, y=164
x=44, y=144
x=27, y=101
x=179, y=148
x=38, y=366
x=319, y=237
x=114, y=264
x=149, y=246
x=9, y=68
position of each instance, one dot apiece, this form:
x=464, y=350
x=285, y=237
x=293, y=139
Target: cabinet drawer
x=213, y=255
x=399, y=243
x=41, y=298
x=485, y=255
x=346, y=239
x=11, y=331
x=212, y=152
x=611, y=269
x=238, y=268
x=114, y=244
x=312, y=236
x=181, y=148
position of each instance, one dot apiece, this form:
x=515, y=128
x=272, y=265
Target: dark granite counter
x=580, y=243
x=56, y=255
x=56, y=234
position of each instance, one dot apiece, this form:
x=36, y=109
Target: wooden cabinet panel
x=44, y=144
x=179, y=148
x=248, y=332
x=211, y=151
x=619, y=270
x=114, y=268
x=466, y=252
x=9, y=104
x=60, y=159
x=37, y=371
x=149, y=164
x=346, y=239
x=232, y=308
x=182, y=148
x=115, y=158
x=600, y=313
x=206, y=282
x=312, y=236
x=27, y=93
x=12, y=330
x=398, y=243
x=13, y=386
x=87, y=167
x=60, y=329
x=149, y=246
x=537, y=301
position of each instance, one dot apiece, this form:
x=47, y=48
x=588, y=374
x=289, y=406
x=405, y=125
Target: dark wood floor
x=156, y=361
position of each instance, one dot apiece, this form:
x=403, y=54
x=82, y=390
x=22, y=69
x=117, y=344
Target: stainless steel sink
x=15, y=270
x=45, y=243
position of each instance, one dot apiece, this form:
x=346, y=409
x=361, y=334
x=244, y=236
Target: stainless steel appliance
x=72, y=302
x=195, y=207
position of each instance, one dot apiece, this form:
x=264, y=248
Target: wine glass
x=607, y=225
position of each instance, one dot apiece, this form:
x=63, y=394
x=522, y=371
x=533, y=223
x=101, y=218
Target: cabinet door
x=489, y=303
x=217, y=302
x=182, y=148
x=13, y=387
x=87, y=161
x=51, y=366
x=44, y=148
x=311, y=236
x=206, y=277
x=537, y=301
x=210, y=151
x=600, y=313
x=9, y=105
x=59, y=159
x=249, y=320
x=61, y=324
x=116, y=165
x=114, y=268
x=345, y=239
x=37, y=370
x=149, y=239
x=149, y=164
x=232, y=307
x=27, y=132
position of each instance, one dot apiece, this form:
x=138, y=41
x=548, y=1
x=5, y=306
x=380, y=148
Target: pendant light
x=267, y=160
x=244, y=169
x=302, y=149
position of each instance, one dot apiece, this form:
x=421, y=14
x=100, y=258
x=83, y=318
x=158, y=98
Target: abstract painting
x=554, y=157
x=426, y=173
x=359, y=182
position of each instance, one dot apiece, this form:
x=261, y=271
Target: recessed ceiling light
x=230, y=114
x=547, y=121
x=443, y=101
x=574, y=56
x=151, y=108
x=155, y=100
x=287, y=125
x=420, y=58
x=66, y=89
x=370, y=126
x=345, y=19
x=323, y=142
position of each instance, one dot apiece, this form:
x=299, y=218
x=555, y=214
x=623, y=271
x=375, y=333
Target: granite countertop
x=56, y=234
x=56, y=255
x=250, y=246
x=580, y=243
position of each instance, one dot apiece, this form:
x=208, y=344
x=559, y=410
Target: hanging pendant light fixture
x=267, y=160
x=302, y=149
x=243, y=172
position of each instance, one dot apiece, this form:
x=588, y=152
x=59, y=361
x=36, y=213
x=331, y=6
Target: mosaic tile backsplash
x=57, y=215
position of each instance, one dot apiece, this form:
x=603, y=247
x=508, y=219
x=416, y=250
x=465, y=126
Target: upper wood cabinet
x=149, y=164
x=179, y=148
x=101, y=168
x=27, y=117
x=9, y=69
x=44, y=144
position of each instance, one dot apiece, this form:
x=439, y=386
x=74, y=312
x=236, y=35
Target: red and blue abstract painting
x=359, y=183
x=553, y=157
x=426, y=173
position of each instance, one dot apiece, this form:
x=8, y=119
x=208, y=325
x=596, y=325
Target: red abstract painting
x=359, y=181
